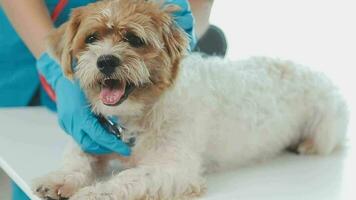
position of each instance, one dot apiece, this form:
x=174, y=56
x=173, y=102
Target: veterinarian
x=30, y=77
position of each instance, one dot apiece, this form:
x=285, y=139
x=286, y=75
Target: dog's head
x=121, y=51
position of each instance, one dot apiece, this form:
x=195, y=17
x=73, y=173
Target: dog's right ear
x=60, y=42
x=175, y=39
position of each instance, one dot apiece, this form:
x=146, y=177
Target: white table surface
x=31, y=145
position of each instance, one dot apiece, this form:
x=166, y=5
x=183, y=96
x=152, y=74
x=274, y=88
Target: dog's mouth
x=113, y=91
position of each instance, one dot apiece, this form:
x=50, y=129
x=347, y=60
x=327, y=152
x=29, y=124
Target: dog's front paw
x=97, y=192
x=57, y=185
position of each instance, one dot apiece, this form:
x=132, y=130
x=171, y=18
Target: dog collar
x=115, y=129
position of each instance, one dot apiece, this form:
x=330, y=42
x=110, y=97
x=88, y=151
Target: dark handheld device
x=114, y=129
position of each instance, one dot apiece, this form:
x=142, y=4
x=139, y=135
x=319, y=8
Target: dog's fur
x=190, y=114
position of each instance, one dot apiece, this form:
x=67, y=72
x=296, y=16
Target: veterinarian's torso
x=18, y=74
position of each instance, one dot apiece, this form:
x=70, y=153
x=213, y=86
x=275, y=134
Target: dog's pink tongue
x=111, y=96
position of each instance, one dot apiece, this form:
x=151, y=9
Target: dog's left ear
x=60, y=42
x=175, y=39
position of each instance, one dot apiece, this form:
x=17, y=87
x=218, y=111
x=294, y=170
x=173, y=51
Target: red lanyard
x=58, y=9
x=56, y=12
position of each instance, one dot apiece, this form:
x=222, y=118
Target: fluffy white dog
x=189, y=114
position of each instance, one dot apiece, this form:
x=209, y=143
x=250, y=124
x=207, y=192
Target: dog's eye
x=91, y=38
x=134, y=40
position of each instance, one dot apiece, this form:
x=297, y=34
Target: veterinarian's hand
x=184, y=18
x=74, y=113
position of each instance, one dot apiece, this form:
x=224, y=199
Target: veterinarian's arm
x=31, y=20
x=201, y=11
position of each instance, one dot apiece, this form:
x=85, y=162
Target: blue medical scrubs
x=19, y=79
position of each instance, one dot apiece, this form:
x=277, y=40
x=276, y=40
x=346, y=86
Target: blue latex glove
x=184, y=18
x=74, y=113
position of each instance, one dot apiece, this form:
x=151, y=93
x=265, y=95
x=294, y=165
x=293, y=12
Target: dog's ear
x=60, y=42
x=175, y=38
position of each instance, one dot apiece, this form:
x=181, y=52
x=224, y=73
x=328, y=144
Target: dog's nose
x=107, y=64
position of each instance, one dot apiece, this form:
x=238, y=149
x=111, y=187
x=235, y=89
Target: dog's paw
x=57, y=185
x=132, y=191
x=307, y=147
x=93, y=193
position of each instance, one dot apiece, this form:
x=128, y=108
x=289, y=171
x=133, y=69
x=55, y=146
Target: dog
x=190, y=114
